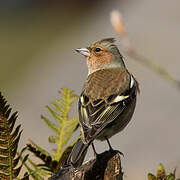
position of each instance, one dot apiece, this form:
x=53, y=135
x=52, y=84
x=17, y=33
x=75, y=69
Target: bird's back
x=105, y=82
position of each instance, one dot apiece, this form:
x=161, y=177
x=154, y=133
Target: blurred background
x=37, y=59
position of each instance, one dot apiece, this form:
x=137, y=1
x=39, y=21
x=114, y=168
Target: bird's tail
x=78, y=154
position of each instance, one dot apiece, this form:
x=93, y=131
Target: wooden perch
x=107, y=166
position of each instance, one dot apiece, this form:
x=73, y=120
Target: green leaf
x=49, y=164
x=66, y=126
x=53, y=139
x=54, y=114
x=171, y=176
x=51, y=125
x=161, y=173
x=38, y=170
x=41, y=150
x=9, y=139
x=63, y=128
x=151, y=177
x=33, y=173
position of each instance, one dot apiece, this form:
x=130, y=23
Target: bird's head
x=102, y=54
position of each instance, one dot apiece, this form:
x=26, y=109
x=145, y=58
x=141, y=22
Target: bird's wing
x=94, y=115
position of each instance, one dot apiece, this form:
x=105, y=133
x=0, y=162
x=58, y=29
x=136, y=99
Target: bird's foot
x=110, y=147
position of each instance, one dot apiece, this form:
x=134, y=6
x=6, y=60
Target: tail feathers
x=78, y=154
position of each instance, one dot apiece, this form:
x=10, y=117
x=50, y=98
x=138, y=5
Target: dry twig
x=117, y=23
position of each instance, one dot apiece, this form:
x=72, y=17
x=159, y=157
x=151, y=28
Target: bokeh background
x=37, y=59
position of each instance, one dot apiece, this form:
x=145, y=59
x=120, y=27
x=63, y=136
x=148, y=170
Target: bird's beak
x=83, y=51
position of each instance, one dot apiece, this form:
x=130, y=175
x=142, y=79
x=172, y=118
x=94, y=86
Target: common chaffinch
x=108, y=97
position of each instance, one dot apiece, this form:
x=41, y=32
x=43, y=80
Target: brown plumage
x=108, y=97
x=97, y=109
x=107, y=82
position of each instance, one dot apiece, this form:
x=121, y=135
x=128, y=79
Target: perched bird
x=108, y=97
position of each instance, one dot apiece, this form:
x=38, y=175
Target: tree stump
x=107, y=166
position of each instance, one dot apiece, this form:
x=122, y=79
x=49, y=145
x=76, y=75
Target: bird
x=108, y=98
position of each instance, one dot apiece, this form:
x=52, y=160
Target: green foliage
x=161, y=174
x=63, y=128
x=66, y=125
x=9, y=139
x=51, y=162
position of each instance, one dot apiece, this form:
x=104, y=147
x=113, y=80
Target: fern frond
x=66, y=126
x=50, y=124
x=33, y=170
x=63, y=128
x=38, y=148
x=47, y=159
x=9, y=140
x=38, y=170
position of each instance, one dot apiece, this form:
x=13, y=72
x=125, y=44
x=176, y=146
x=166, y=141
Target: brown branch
x=107, y=166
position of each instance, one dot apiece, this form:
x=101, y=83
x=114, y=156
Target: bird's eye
x=97, y=49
